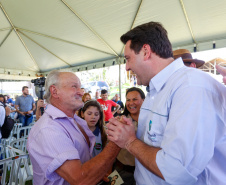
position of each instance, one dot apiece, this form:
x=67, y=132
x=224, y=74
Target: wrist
x=129, y=143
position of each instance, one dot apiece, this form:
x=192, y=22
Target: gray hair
x=52, y=79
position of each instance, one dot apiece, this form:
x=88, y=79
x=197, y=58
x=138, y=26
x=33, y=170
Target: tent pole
x=120, y=87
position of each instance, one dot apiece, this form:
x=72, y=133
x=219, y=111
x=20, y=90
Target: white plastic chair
x=25, y=130
x=21, y=171
x=12, y=136
x=2, y=151
x=16, y=127
x=20, y=144
x=6, y=141
x=16, y=166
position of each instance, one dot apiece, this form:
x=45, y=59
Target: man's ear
x=193, y=65
x=53, y=91
x=147, y=51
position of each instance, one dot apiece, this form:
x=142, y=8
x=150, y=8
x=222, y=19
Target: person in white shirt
x=181, y=127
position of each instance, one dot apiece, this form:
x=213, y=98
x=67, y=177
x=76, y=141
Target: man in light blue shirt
x=181, y=127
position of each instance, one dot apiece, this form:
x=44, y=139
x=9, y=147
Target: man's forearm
x=33, y=107
x=117, y=108
x=146, y=155
x=92, y=171
x=38, y=113
x=17, y=110
x=95, y=169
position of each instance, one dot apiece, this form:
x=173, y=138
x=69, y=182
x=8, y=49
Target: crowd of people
x=173, y=135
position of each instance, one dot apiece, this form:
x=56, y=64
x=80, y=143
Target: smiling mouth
x=133, y=108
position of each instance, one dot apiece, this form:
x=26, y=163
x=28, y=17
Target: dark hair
x=104, y=91
x=126, y=112
x=116, y=176
x=100, y=122
x=24, y=87
x=3, y=96
x=114, y=181
x=153, y=34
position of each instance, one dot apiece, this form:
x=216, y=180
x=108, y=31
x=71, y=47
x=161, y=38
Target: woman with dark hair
x=92, y=112
x=136, y=96
x=125, y=162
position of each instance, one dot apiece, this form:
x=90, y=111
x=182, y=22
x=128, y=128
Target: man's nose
x=127, y=66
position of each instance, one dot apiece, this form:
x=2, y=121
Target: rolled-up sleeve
x=54, y=153
x=190, y=135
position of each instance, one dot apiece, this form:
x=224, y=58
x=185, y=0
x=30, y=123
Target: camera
x=39, y=81
x=39, y=84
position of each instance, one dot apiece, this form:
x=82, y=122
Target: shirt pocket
x=155, y=131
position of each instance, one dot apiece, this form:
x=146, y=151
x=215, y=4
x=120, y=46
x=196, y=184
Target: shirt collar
x=56, y=113
x=96, y=131
x=158, y=81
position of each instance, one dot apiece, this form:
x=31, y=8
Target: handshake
x=121, y=131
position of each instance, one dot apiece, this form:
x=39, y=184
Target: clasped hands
x=121, y=131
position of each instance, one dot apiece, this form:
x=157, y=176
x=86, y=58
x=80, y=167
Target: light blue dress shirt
x=184, y=113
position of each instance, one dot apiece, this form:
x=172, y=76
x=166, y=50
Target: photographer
x=40, y=104
x=39, y=83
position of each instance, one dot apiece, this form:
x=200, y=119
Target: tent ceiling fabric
x=38, y=36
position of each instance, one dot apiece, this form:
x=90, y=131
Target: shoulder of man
x=100, y=100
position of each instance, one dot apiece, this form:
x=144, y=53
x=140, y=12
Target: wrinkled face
x=133, y=102
x=25, y=91
x=91, y=115
x=69, y=91
x=134, y=62
x=104, y=96
x=87, y=98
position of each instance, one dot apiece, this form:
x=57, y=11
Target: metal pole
x=120, y=90
x=215, y=70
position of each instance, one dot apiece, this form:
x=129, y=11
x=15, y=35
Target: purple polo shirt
x=54, y=139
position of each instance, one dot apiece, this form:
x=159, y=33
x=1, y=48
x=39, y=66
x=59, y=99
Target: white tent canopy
x=38, y=36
